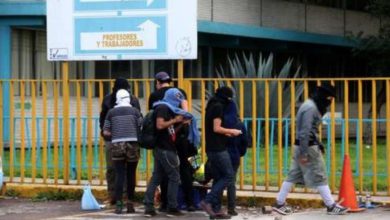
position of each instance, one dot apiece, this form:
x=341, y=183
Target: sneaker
x=130, y=208
x=220, y=216
x=283, y=209
x=207, y=208
x=150, y=213
x=118, y=207
x=337, y=209
x=232, y=212
x=174, y=212
x=163, y=208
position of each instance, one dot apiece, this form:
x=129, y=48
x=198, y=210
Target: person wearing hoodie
x=109, y=101
x=216, y=150
x=122, y=125
x=307, y=166
x=169, y=119
x=236, y=147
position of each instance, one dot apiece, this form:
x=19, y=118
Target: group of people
x=177, y=139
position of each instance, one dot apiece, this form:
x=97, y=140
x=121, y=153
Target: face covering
x=322, y=102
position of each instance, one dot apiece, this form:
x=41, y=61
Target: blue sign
x=105, y=5
x=123, y=35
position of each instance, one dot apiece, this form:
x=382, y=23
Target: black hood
x=320, y=97
x=120, y=83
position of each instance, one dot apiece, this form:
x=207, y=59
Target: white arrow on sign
x=148, y=2
x=145, y=38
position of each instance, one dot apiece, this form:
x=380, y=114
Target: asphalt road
x=20, y=209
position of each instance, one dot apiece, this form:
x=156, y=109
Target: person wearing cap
x=162, y=85
x=109, y=101
x=122, y=125
x=216, y=150
x=307, y=166
x=169, y=119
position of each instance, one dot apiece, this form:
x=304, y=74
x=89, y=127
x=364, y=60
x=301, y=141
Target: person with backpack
x=109, y=101
x=169, y=119
x=162, y=83
x=216, y=150
x=122, y=125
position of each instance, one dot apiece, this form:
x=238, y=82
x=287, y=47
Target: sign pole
x=65, y=99
x=180, y=74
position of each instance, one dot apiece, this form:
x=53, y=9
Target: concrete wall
x=288, y=15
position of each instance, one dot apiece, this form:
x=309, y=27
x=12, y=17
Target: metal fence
x=49, y=129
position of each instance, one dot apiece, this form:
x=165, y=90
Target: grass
x=367, y=165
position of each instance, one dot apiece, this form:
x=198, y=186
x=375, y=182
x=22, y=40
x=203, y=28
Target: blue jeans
x=231, y=189
x=166, y=164
x=222, y=172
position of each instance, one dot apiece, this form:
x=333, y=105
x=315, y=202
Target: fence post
x=65, y=120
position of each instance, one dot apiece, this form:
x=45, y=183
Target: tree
x=376, y=50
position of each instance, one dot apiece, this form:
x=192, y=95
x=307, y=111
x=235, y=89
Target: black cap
x=162, y=76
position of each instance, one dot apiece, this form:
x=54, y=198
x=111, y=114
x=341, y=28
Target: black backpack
x=147, y=138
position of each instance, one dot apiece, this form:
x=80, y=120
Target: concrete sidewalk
x=244, y=197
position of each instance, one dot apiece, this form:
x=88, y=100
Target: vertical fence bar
x=22, y=132
x=320, y=127
x=101, y=142
x=44, y=131
x=333, y=143
x=374, y=140
x=65, y=123
x=346, y=116
x=267, y=147
x=280, y=135
x=203, y=112
x=1, y=122
x=241, y=100
x=254, y=120
x=78, y=129
x=55, y=88
x=11, y=131
x=148, y=154
x=189, y=94
x=360, y=116
x=136, y=88
x=33, y=131
x=388, y=133
x=89, y=131
x=305, y=89
x=292, y=103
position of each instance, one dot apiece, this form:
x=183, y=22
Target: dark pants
x=125, y=171
x=186, y=177
x=110, y=171
x=222, y=172
x=166, y=163
x=231, y=189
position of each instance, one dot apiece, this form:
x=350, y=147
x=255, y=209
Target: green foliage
x=12, y=193
x=376, y=48
x=246, y=67
x=58, y=195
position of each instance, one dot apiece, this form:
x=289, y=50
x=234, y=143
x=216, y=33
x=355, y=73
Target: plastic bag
x=88, y=201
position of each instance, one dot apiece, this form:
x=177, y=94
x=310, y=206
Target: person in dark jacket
x=236, y=147
x=216, y=149
x=107, y=104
